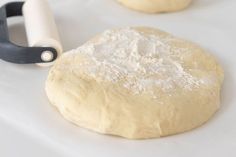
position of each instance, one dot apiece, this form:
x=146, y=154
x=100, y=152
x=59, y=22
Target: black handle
x=14, y=53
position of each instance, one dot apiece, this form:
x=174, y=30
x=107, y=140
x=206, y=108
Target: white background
x=30, y=126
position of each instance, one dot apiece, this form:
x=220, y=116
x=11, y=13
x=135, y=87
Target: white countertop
x=30, y=126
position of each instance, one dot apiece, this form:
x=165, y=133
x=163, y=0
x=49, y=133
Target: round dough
x=154, y=6
x=136, y=83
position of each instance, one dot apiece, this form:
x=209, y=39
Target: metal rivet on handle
x=47, y=56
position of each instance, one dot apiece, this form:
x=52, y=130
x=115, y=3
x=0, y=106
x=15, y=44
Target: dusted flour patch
x=136, y=83
x=142, y=61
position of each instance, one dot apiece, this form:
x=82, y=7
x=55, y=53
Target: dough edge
x=156, y=6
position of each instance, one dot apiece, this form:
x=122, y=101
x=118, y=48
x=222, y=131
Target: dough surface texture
x=136, y=83
x=155, y=6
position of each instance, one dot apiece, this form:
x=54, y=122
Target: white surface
x=30, y=126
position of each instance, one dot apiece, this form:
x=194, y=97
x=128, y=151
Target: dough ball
x=136, y=83
x=154, y=6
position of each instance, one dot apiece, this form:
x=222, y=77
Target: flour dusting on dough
x=141, y=61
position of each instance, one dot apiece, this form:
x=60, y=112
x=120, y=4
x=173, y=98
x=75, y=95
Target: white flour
x=139, y=62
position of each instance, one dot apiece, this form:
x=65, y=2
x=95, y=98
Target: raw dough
x=136, y=83
x=154, y=6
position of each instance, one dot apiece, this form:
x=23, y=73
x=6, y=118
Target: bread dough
x=136, y=83
x=154, y=6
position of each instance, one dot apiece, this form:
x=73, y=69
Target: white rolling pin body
x=40, y=26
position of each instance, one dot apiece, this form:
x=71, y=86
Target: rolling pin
x=40, y=26
x=41, y=30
